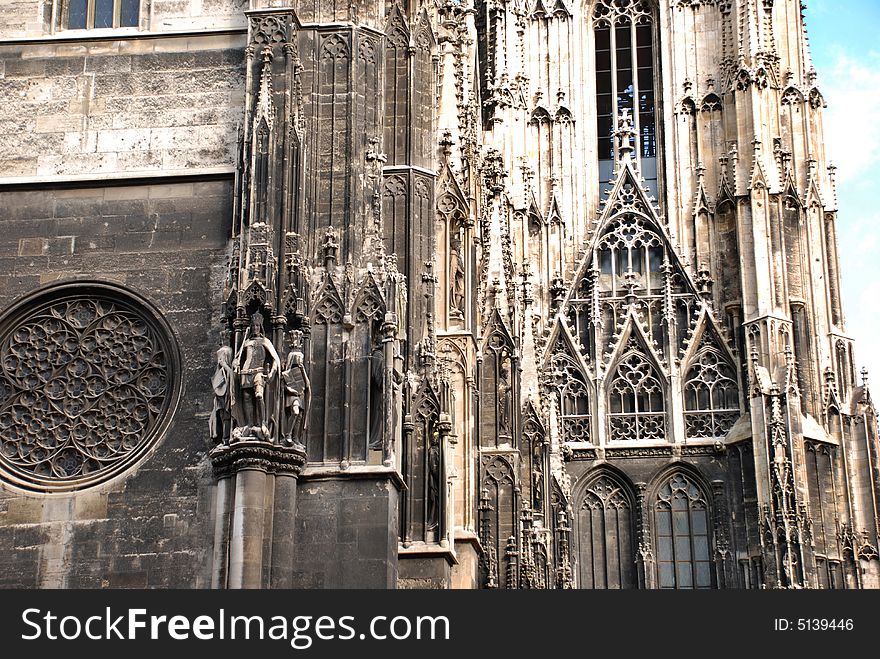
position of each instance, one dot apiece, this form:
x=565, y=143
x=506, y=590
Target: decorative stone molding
x=271, y=459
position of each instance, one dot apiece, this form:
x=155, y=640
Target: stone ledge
x=336, y=472
x=425, y=550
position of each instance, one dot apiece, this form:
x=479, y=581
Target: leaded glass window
x=574, y=398
x=605, y=536
x=681, y=525
x=636, y=402
x=624, y=34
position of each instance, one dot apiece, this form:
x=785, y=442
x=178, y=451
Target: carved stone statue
x=537, y=489
x=223, y=384
x=377, y=397
x=256, y=363
x=297, y=394
x=432, y=518
x=456, y=277
x=504, y=400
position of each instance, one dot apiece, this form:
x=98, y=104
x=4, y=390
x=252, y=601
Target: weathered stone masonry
x=424, y=294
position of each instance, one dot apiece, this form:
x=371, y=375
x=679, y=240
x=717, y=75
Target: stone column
x=256, y=505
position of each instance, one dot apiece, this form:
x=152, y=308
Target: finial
x=625, y=135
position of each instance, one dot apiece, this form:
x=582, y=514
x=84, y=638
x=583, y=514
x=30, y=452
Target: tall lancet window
x=681, y=522
x=626, y=79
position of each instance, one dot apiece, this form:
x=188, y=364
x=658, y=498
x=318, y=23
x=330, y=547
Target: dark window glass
x=103, y=13
x=682, y=530
x=625, y=77
x=604, y=538
x=77, y=11
x=128, y=15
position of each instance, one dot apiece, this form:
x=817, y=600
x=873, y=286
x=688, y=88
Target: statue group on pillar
x=253, y=387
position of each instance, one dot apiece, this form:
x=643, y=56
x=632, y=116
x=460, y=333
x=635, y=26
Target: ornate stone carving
x=86, y=380
x=255, y=366
x=272, y=459
x=223, y=384
x=297, y=396
x=456, y=277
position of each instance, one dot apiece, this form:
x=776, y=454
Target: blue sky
x=845, y=46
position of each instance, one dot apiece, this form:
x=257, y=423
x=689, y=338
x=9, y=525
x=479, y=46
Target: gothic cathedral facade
x=424, y=294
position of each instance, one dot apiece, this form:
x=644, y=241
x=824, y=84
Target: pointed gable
x=369, y=302
x=451, y=199
x=396, y=27
x=424, y=37
x=328, y=307
x=554, y=214
x=633, y=338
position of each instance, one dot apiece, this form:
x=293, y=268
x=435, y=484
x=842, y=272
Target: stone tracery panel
x=86, y=380
x=711, y=395
x=636, y=400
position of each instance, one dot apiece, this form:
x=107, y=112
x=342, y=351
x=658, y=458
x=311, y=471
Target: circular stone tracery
x=85, y=384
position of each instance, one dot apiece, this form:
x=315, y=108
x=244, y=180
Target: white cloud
x=863, y=322
x=852, y=119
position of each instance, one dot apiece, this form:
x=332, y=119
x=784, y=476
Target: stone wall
x=34, y=18
x=346, y=530
x=151, y=527
x=95, y=108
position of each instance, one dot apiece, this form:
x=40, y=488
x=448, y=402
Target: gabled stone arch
x=637, y=390
x=453, y=231
x=369, y=303
x=533, y=459
x=396, y=27
x=499, y=507
x=328, y=307
x=564, y=374
x=499, y=386
x=630, y=262
x=327, y=417
x=710, y=386
x=423, y=33
x=423, y=468
x=536, y=217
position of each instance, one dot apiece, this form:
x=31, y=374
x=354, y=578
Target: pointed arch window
x=636, y=401
x=574, y=398
x=711, y=396
x=606, y=557
x=681, y=524
x=626, y=79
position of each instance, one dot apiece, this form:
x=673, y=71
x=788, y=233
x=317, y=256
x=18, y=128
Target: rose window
x=85, y=384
